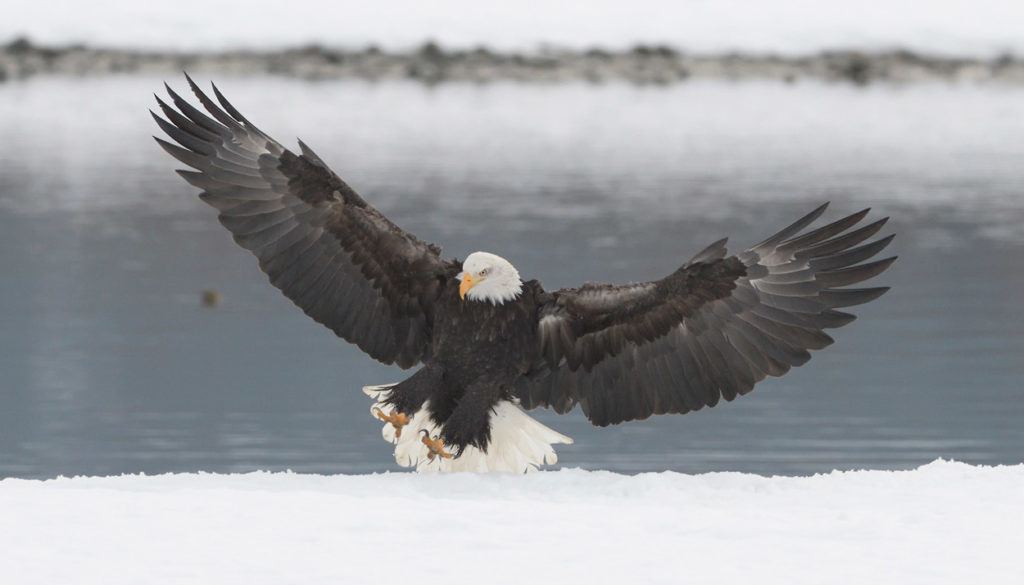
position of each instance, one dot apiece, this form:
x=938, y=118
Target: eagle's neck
x=497, y=291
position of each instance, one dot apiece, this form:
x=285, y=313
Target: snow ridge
x=945, y=522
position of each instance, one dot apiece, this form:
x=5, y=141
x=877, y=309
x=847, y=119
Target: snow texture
x=945, y=522
x=980, y=28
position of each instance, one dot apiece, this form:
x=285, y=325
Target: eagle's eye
x=484, y=272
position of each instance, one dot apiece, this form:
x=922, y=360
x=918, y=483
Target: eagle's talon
x=397, y=420
x=435, y=446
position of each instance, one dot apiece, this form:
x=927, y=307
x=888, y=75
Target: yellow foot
x=397, y=420
x=436, y=446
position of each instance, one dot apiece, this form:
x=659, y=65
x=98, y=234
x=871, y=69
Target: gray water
x=110, y=364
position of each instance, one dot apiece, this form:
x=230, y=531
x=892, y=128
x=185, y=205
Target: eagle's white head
x=487, y=277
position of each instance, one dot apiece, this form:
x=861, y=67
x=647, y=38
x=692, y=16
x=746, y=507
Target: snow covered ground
x=945, y=522
x=980, y=28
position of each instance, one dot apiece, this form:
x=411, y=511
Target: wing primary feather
x=844, y=241
x=853, y=274
x=211, y=107
x=183, y=122
x=195, y=115
x=248, y=224
x=798, y=243
x=191, y=158
x=776, y=349
x=810, y=305
x=805, y=288
x=806, y=320
x=748, y=349
x=184, y=138
x=831, y=319
x=218, y=188
x=850, y=256
x=849, y=297
x=793, y=335
x=836, y=256
x=791, y=229
x=256, y=207
x=234, y=112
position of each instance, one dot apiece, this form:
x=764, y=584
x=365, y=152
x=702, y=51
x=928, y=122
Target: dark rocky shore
x=433, y=64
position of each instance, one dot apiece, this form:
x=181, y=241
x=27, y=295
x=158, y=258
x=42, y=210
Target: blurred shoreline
x=431, y=64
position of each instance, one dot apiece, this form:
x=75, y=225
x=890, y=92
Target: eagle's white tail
x=519, y=443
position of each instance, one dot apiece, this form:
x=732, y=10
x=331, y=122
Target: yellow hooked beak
x=468, y=282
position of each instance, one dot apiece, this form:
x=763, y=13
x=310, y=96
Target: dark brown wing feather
x=336, y=257
x=708, y=331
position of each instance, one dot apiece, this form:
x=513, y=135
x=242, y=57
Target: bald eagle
x=491, y=344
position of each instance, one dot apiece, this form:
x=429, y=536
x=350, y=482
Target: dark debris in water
x=432, y=63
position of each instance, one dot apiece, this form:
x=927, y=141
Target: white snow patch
x=982, y=27
x=945, y=522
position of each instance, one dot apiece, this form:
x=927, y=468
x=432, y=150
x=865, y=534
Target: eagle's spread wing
x=336, y=257
x=710, y=330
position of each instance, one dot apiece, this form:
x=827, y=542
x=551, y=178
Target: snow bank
x=979, y=28
x=945, y=522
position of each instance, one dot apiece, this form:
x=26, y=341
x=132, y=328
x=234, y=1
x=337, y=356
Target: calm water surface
x=109, y=363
